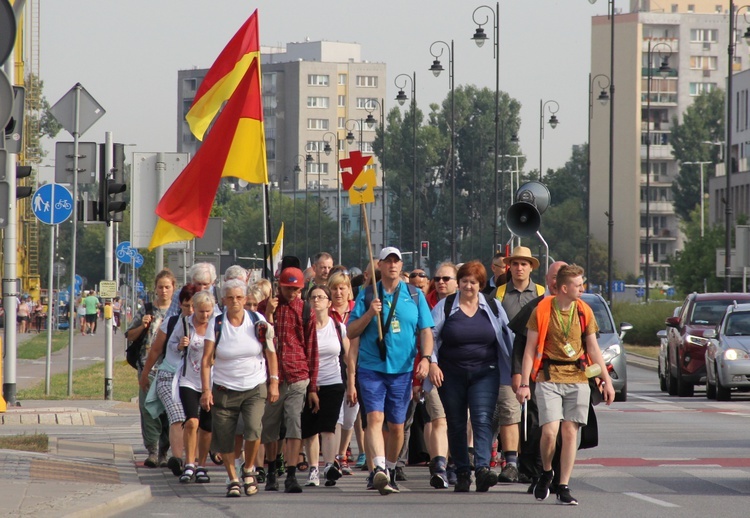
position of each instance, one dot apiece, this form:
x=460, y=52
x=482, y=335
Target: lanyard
x=387, y=323
x=566, y=332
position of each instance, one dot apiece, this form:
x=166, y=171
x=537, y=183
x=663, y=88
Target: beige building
x=694, y=36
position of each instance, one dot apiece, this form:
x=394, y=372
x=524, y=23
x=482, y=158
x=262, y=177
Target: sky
x=126, y=54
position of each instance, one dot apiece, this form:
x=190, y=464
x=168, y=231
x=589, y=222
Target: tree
x=702, y=122
x=693, y=268
x=39, y=121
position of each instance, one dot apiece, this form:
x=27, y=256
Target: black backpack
x=491, y=301
x=133, y=351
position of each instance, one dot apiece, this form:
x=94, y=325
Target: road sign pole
x=51, y=306
x=109, y=239
x=76, y=135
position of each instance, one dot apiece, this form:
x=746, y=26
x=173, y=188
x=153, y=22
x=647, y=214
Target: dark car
x=686, y=345
x=610, y=342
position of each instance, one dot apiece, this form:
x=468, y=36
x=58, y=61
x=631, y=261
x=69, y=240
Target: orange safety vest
x=543, y=315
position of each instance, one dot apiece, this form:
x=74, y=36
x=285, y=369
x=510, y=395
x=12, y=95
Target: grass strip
x=38, y=442
x=88, y=383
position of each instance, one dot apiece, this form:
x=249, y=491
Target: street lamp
x=553, y=122
x=602, y=82
x=701, y=164
x=401, y=98
x=479, y=38
x=296, y=170
x=436, y=69
x=308, y=161
x=327, y=150
x=664, y=71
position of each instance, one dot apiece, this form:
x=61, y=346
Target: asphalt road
x=658, y=456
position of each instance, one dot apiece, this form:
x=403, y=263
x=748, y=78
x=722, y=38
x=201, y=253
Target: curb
x=643, y=361
x=129, y=497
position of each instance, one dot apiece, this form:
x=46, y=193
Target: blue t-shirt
x=469, y=343
x=401, y=346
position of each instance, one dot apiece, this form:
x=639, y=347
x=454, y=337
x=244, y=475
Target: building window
x=366, y=147
x=317, y=79
x=190, y=84
x=314, y=146
x=704, y=35
x=317, y=102
x=341, y=122
x=701, y=88
x=312, y=167
x=342, y=79
x=186, y=104
x=703, y=62
x=317, y=124
x=717, y=8
x=367, y=81
x=691, y=8
x=366, y=102
x=342, y=101
x=269, y=83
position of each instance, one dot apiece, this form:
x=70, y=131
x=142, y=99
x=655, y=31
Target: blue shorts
x=387, y=393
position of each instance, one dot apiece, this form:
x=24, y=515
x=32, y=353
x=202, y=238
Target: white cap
x=389, y=250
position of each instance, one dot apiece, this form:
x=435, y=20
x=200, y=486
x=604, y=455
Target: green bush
x=647, y=320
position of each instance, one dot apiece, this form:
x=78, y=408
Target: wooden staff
x=372, y=265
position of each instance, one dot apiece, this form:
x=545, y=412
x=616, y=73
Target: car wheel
x=662, y=378
x=684, y=389
x=671, y=381
x=623, y=394
x=710, y=390
x=722, y=393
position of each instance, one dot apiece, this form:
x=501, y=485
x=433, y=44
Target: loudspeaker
x=525, y=216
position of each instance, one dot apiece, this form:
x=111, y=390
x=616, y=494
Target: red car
x=686, y=346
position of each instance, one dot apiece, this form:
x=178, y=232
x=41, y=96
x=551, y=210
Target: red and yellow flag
x=236, y=147
x=224, y=76
x=360, y=182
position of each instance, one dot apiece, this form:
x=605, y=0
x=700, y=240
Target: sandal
x=233, y=489
x=249, y=481
x=304, y=465
x=201, y=476
x=187, y=474
x=216, y=458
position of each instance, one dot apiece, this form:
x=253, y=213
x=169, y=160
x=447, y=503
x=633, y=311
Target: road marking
x=649, y=398
x=650, y=500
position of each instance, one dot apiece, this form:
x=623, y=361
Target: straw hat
x=522, y=252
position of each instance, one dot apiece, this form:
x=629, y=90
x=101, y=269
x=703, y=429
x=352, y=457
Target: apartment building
x=692, y=36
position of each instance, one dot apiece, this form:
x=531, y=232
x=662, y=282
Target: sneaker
x=175, y=464
x=508, y=474
x=348, y=454
x=439, y=480
x=313, y=479
x=361, y=460
x=486, y=478
x=291, y=485
x=463, y=482
x=332, y=473
x=370, y=485
x=393, y=475
x=451, y=472
x=381, y=482
x=272, y=482
x=564, y=497
x=541, y=490
x=152, y=460
x=344, y=464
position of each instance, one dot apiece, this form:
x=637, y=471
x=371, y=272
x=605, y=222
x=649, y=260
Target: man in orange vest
x=561, y=334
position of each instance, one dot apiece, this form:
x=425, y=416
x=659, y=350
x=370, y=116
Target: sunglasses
x=415, y=274
x=445, y=279
x=318, y=297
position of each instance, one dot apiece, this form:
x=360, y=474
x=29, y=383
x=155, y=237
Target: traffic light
x=23, y=191
x=111, y=203
x=425, y=249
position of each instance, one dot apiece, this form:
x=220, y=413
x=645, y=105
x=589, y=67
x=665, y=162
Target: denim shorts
x=387, y=393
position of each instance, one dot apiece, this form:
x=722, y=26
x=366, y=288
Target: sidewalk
x=89, y=469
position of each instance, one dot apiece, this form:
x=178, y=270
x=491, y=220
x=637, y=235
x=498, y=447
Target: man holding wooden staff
x=385, y=367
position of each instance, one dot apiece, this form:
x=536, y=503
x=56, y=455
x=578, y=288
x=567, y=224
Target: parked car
x=610, y=342
x=728, y=354
x=663, y=345
x=686, y=345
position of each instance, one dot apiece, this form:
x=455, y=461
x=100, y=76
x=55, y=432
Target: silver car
x=610, y=342
x=728, y=354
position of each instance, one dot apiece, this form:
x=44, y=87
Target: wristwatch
x=427, y=357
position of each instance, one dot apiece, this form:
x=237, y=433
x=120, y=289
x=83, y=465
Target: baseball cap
x=389, y=250
x=292, y=277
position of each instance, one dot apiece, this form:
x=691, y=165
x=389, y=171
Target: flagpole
x=267, y=245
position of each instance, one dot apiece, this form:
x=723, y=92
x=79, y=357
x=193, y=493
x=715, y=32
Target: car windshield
x=601, y=314
x=738, y=324
x=708, y=312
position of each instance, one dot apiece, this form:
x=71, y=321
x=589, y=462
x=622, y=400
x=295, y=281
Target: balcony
x=674, y=43
x=658, y=152
x=658, y=234
x=658, y=207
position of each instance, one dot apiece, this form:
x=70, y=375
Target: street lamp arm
x=440, y=43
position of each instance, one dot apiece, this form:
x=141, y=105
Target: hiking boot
x=508, y=474
x=463, y=482
x=313, y=479
x=541, y=491
x=486, y=478
x=450, y=471
x=272, y=482
x=439, y=480
x=400, y=475
x=162, y=461
x=152, y=460
x=564, y=497
x=291, y=485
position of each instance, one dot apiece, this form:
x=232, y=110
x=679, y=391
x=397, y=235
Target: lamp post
x=602, y=82
x=479, y=38
x=701, y=164
x=327, y=150
x=436, y=69
x=401, y=98
x=308, y=161
x=553, y=122
x=296, y=171
x=664, y=72
x=320, y=205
